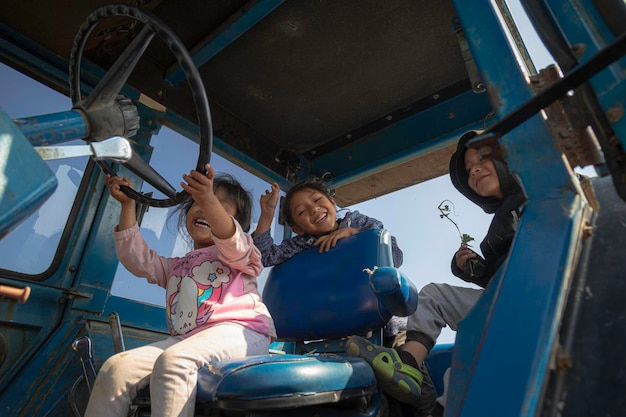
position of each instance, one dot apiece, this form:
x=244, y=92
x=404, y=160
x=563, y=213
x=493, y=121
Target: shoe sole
x=396, y=378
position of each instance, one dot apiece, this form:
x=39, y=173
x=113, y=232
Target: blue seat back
x=328, y=295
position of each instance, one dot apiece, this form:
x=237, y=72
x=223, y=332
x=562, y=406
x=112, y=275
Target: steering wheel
x=105, y=103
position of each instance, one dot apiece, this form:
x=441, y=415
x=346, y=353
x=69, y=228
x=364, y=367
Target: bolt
x=579, y=50
x=563, y=360
x=615, y=113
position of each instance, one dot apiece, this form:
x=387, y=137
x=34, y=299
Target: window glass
x=30, y=247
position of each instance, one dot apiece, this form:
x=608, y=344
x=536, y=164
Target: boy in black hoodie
x=488, y=183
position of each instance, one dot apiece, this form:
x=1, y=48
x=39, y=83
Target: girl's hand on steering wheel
x=114, y=184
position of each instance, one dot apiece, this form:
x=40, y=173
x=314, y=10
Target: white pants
x=170, y=366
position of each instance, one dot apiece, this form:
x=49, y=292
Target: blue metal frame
x=581, y=25
x=430, y=129
x=510, y=335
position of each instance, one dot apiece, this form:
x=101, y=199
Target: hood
x=459, y=177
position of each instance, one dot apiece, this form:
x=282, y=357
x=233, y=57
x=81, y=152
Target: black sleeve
x=476, y=272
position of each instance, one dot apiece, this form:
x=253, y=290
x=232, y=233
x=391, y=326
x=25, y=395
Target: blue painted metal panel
x=48, y=375
x=25, y=179
x=510, y=334
x=26, y=327
x=424, y=132
x=135, y=314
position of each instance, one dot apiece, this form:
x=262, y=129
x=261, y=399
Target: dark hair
x=313, y=184
x=241, y=197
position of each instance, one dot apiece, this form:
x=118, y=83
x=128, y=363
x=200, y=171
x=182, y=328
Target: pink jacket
x=205, y=287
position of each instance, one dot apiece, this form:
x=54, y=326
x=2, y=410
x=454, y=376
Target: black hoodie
x=507, y=211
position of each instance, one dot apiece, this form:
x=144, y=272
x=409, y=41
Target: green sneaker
x=403, y=382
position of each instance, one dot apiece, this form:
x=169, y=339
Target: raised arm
x=268, y=202
x=128, y=216
x=200, y=187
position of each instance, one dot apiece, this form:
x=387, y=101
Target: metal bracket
x=115, y=149
x=549, y=95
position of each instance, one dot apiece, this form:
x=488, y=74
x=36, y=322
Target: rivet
x=615, y=113
x=579, y=50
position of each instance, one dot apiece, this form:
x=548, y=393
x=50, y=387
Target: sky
x=411, y=214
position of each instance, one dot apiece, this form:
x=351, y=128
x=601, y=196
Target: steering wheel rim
x=108, y=95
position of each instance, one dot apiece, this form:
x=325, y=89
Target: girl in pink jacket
x=214, y=310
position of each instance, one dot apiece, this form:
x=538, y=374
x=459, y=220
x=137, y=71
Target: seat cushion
x=284, y=381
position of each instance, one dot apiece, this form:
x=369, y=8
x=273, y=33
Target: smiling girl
x=213, y=308
x=309, y=208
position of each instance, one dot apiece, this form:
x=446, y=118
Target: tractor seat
x=316, y=301
x=277, y=381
